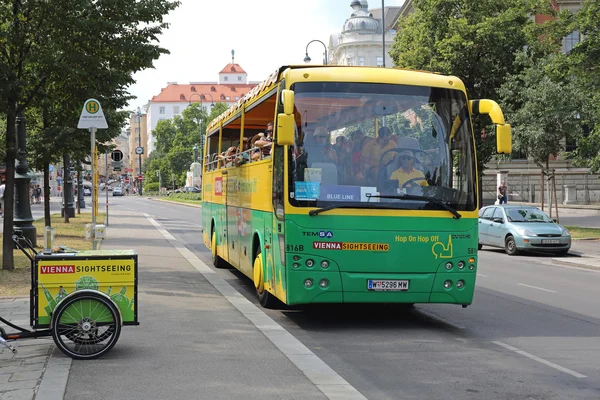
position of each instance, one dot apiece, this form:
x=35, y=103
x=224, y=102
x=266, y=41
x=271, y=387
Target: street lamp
x=139, y=121
x=195, y=153
x=307, y=58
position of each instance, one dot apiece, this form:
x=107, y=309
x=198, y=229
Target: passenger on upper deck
x=266, y=143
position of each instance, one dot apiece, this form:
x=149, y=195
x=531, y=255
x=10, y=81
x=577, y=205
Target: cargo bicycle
x=71, y=299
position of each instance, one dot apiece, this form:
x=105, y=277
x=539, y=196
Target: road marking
x=538, y=288
x=540, y=360
x=440, y=319
x=485, y=276
x=320, y=374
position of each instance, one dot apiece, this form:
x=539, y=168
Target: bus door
x=234, y=215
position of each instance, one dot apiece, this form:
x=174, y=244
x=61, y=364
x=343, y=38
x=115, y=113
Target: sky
x=265, y=35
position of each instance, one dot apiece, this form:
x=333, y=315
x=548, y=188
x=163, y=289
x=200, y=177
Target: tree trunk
x=555, y=197
x=8, y=262
x=47, y=219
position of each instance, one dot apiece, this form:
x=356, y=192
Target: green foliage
x=543, y=108
x=186, y=196
x=151, y=187
x=475, y=41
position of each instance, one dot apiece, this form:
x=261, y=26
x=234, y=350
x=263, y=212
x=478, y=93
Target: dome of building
x=361, y=20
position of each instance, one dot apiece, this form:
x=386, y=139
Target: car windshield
x=526, y=215
x=367, y=143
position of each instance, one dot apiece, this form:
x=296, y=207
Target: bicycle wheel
x=86, y=325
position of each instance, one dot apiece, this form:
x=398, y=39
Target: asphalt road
x=533, y=331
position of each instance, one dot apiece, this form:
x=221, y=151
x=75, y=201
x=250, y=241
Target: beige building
x=137, y=137
x=121, y=142
x=361, y=40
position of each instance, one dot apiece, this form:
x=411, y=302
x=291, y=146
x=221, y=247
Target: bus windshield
x=399, y=146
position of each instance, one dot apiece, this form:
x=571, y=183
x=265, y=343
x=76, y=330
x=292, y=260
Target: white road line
x=441, y=319
x=485, y=276
x=538, y=288
x=320, y=374
x=540, y=360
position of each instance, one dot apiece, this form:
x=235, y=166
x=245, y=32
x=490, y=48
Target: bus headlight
x=308, y=283
x=296, y=265
x=448, y=265
x=460, y=284
x=324, y=283
x=310, y=263
x=324, y=264
x=448, y=284
x=460, y=265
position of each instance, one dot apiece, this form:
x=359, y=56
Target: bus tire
x=217, y=261
x=266, y=299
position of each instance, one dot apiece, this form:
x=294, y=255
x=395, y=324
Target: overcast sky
x=265, y=34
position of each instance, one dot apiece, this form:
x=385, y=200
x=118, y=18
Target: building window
x=226, y=78
x=237, y=97
x=193, y=88
x=175, y=110
x=349, y=61
x=361, y=61
x=380, y=61
x=161, y=110
x=239, y=78
x=228, y=98
x=137, y=140
x=570, y=41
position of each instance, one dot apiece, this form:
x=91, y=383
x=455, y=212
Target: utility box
x=100, y=231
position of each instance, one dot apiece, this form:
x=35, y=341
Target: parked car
x=117, y=191
x=521, y=228
x=87, y=192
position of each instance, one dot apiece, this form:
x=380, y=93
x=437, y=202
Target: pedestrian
x=2, y=188
x=38, y=194
x=502, y=193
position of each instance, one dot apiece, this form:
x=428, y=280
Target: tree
x=48, y=44
x=474, y=40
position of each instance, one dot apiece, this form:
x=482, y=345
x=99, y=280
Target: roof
x=192, y=92
x=232, y=69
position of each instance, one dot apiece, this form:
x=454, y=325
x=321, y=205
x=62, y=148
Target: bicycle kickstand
x=8, y=346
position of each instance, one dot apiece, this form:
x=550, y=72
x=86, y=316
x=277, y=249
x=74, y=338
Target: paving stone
x=35, y=360
x=26, y=376
x=19, y=385
x=4, y=378
x=21, y=368
x=22, y=394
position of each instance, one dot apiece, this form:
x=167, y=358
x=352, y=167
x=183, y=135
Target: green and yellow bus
x=366, y=191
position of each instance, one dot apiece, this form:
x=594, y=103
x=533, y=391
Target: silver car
x=521, y=228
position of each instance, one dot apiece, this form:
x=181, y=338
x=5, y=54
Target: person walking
x=502, y=193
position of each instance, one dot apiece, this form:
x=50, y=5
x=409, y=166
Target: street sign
x=141, y=178
x=92, y=116
x=116, y=155
x=139, y=150
x=126, y=180
x=117, y=169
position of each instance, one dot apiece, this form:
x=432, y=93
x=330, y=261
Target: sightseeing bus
x=365, y=191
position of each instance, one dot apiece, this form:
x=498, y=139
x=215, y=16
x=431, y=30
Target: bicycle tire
x=86, y=325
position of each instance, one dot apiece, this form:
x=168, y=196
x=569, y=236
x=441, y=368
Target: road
x=533, y=331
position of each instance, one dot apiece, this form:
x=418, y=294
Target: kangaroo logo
x=439, y=250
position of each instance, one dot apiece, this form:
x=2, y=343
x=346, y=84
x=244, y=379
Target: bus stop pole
x=106, y=188
x=94, y=188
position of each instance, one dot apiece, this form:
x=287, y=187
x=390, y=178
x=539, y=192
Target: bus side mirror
x=285, y=129
x=287, y=98
x=503, y=139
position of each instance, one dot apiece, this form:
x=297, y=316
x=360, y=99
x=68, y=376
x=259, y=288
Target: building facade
x=137, y=136
x=174, y=98
x=360, y=42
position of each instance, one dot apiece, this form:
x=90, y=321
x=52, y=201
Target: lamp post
x=139, y=121
x=22, y=217
x=195, y=153
x=307, y=58
x=383, y=29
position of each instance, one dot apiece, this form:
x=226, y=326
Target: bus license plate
x=550, y=241
x=380, y=284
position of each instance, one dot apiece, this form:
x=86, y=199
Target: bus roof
x=341, y=73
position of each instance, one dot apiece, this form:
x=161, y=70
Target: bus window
x=211, y=152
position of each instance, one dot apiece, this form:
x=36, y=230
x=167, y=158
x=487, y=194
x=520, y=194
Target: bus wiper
x=351, y=205
x=429, y=200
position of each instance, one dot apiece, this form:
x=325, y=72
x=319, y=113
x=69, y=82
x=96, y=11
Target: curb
x=581, y=263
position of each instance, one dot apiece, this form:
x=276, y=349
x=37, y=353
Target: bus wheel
x=265, y=298
x=217, y=261
x=479, y=246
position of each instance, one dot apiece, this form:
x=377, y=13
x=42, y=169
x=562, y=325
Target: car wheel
x=479, y=246
x=510, y=246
